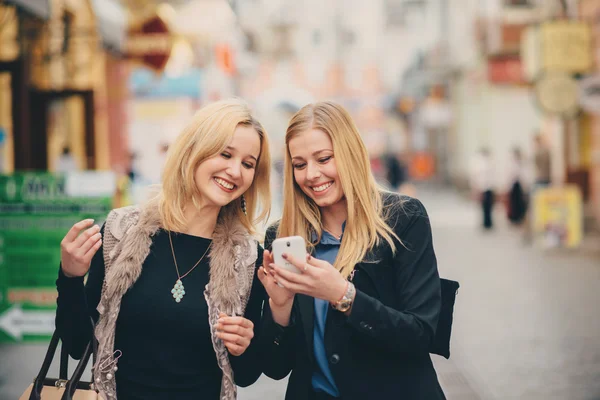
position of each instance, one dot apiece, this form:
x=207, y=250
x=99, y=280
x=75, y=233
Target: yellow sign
x=566, y=46
x=558, y=217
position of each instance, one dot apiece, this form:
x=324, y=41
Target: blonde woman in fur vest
x=358, y=321
x=171, y=285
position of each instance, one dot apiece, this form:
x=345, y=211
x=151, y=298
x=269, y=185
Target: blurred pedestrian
x=388, y=171
x=171, y=289
x=397, y=174
x=517, y=198
x=358, y=321
x=483, y=185
x=133, y=167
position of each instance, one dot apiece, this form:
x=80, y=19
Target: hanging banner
x=566, y=46
x=36, y=211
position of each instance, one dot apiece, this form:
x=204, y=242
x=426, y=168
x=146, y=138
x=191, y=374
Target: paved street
x=526, y=323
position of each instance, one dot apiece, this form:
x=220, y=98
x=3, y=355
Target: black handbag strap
x=64, y=363
x=71, y=386
x=38, y=382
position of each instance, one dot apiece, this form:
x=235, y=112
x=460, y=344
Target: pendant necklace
x=339, y=238
x=178, y=290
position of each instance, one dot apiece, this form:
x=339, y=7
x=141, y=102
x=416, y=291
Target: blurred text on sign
x=36, y=211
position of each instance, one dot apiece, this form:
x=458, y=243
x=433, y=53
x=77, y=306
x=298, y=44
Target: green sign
x=36, y=211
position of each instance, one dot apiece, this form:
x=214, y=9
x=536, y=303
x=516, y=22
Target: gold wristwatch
x=345, y=303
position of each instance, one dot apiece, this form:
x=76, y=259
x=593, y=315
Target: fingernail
x=91, y=220
x=307, y=257
x=285, y=256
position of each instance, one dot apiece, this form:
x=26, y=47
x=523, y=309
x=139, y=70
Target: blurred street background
x=488, y=111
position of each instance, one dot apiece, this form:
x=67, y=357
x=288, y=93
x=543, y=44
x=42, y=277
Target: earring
x=244, y=205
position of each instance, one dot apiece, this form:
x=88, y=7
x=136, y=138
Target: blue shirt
x=322, y=379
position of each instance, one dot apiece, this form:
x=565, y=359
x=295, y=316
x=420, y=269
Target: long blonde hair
x=207, y=135
x=366, y=225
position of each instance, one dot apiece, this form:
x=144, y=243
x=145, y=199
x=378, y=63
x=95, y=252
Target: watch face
x=344, y=305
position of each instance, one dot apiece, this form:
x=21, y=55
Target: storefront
x=590, y=12
x=11, y=88
x=54, y=80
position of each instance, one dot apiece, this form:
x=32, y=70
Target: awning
x=112, y=23
x=39, y=8
x=110, y=17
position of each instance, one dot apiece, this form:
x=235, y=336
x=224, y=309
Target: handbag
x=441, y=340
x=44, y=388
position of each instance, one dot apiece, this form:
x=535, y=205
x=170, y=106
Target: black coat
x=381, y=350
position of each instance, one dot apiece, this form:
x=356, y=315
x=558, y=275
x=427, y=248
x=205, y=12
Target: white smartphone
x=293, y=245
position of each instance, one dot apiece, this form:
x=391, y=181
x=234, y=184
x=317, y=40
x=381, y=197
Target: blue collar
x=326, y=237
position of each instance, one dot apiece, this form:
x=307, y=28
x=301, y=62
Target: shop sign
x=589, y=94
x=150, y=43
x=36, y=210
x=558, y=217
x=566, y=46
x=558, y=94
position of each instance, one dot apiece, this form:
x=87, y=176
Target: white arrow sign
x=17, y=322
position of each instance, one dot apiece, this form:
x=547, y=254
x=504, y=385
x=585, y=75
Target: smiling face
x=315, y=170
x=224, y=177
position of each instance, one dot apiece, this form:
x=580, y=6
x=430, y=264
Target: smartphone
x=293, y=245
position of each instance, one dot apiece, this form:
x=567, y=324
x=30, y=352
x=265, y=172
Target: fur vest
x=127, y=238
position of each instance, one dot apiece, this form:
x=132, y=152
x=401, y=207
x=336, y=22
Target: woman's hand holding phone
x=280, y=298
x=319, y=279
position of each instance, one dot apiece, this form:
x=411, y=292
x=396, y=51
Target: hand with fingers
x=280, y=296
x=281, y=299
x=235, y=332
x=78, y=247
x=319, y=279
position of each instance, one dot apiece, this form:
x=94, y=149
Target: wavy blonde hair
x=208, y=134
x=366, y=225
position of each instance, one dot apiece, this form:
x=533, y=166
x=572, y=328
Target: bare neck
x=334, y=216
x=201, y=221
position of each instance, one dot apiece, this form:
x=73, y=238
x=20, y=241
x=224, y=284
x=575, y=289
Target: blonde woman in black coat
x=359, y=321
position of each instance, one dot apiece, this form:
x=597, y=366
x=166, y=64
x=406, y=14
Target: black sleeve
x=278, y=345
x=411, y=326
x=76, y=303
x=247, y=366
x=277, y=342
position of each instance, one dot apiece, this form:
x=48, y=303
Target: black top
x=166, y=346
x=381, y=350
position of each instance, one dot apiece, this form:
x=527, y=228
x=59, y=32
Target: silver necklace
x=334, y=235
